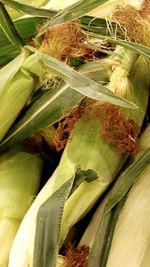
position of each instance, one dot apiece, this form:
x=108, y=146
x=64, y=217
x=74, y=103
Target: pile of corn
x=74, y=133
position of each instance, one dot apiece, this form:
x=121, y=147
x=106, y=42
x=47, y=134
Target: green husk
x=17, y=88
x=15, y=14
x=20, y=173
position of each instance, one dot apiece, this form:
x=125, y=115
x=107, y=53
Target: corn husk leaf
x=9, y=28
x=27, y=29
x=18, y=14
x=127, y=179
x=23, y=7
x=83, y=84
x=100, y=26
x=49, y=217
x=140, y=49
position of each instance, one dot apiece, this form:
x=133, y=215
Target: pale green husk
x=20, y=174
x=18, y=83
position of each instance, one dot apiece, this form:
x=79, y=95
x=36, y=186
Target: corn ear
x=78, y=201
x=20, y=173
x=98, y=235
x=92, y=154
x=17, y=88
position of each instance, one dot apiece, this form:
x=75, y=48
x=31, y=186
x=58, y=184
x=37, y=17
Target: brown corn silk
x=114, y=126
x=76, y=257
x=137, y=28
x=66, y=125
x=64, y=41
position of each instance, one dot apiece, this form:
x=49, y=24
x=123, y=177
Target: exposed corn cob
x=93, y=154
x=20, y=173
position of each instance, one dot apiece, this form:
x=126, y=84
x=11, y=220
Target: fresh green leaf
x=100, y=26
x=39, y=12
x=141, y=49
x=48, y=225
x=114, y=214
x=102, y=241
x=27, y=27
x=83, y=84
x=18, y=14
x=127, y=179
x=83, y=175
x=9, y=28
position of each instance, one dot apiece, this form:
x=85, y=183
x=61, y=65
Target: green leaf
x=18, y=14
x=83, y=175
x=39, y=12
x=48, y=225
x=127, y=179
x=9, y=28
x=93, y=21
x=27, y=27
x=83, y=84
x=114, y=215
x=102, y=241
x=100, y=26
x=72, y=12
x=141, y=49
